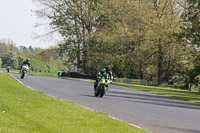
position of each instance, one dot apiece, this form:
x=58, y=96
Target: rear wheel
x=96, y=92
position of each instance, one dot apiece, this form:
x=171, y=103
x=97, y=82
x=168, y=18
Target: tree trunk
x=141, y=71
x=160, y=63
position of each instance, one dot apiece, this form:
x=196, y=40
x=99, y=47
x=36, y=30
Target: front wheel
x=23, y=74
x=102, y=92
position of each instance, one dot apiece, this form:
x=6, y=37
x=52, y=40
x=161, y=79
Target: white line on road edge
x=29, y=86
x=81, y=105
x=123, y=121
x=21, y=82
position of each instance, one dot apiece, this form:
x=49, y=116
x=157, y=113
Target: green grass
x=172, y=92
x=51, y=74
x=26, y=110
x=11, y=70
x=43, y=74
x=48, y=74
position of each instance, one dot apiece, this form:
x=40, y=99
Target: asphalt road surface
x=149, y=111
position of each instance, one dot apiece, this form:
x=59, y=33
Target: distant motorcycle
x=8, y=68
x=24, y=70
x=102, y=87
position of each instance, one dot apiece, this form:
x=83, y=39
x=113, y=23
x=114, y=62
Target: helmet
x=28, y=59
x=108, y=68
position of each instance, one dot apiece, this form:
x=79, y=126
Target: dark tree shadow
x=154, y=100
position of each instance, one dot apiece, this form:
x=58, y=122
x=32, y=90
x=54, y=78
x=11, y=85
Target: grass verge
x=172, y=92
x=43, y=74
x=50, y=74
x=11, y=70
x=26, y=110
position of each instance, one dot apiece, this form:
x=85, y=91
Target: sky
x=17, y=23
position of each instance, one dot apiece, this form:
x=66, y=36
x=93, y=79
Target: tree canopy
x=156, y=40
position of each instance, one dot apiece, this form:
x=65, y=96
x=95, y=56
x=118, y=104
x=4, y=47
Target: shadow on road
x=92, y=96
x=184, y=130
x=154, y=100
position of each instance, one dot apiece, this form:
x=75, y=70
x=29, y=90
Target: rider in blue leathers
x=8, y=68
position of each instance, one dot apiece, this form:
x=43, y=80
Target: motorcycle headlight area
x=102, y=81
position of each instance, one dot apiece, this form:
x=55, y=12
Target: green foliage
x=191, y=28
x=134, y=37
x=10, y=59
x=47, y=60
x=37, y=63
x=75, y=21
x=7, y=46
x=20, y=61
x=196, y=67
x=30, y=49
x=189, y=34
x=142, y=38
x=197, y=80
x=3, y=48
x=118, y=67
x=44, y=60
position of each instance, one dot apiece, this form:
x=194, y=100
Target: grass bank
x=26, y=110
x=166, y=91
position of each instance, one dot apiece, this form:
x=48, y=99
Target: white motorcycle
x=25, y=70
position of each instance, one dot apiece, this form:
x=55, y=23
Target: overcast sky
x=17, y=24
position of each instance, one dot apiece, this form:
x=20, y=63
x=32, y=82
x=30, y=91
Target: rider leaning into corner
x=105, y=71
x=27, y=61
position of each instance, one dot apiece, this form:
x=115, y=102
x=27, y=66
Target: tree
x=139, y=32
x=20, y=61
x=190, y=31
x=133, y=36
x=7, y=46
x=10, y=59
x=31, y=49
x=3, y=48
x=75, y=21
x=37, y=49
x=24, y=49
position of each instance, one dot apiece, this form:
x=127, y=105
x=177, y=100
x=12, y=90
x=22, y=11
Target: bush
x=10, y=59
x=197, y=80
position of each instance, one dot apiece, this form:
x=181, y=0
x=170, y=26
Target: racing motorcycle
x=24, y=70
x=102, y=87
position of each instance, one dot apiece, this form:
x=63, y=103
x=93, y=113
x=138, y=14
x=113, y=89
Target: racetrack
x=149, y=111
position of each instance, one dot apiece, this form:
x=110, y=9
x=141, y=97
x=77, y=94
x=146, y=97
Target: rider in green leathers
x=104, y=72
